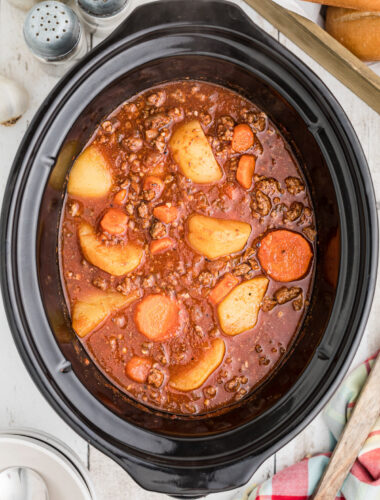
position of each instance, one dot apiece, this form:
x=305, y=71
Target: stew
x=187, y=247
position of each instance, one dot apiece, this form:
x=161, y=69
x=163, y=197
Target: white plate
x=63, y=473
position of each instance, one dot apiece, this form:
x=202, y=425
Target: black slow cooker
x=216, y=42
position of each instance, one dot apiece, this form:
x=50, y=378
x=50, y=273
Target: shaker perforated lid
x=102, y=8
x=51, y=30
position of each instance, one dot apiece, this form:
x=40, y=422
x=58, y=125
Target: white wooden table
x=21, y=404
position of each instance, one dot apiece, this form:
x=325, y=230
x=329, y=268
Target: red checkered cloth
x=363, y=482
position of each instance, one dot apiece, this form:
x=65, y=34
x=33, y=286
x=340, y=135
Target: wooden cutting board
x=327, y=51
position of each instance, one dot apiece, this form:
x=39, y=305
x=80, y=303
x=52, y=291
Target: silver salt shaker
x=53, y=33
x=101, y=17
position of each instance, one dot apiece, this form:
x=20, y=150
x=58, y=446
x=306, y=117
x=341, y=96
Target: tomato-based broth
x=187, y=247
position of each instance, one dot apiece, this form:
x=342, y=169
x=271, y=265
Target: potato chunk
x=93, y=309
x=195, y=374
x=216, y=238
x=90, y=176
x=238, y=312
x=116, y=259
x=193, y=154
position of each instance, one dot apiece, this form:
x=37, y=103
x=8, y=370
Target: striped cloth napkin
x=299, y=481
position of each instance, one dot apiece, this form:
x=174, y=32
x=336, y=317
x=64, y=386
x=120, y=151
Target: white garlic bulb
x=13, y=100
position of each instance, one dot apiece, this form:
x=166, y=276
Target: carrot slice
x=153, y=183
x=223, y=288
x=114, y=221
x=157, y=317
x=120, y=197
x=138, y=368
x=245, y=171
x=242, y=138
x=162, y=245
x=165, y=214
x=285, y=255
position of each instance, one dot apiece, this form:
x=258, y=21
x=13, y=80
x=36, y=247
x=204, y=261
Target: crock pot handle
x=158, y=15
x=192, y=480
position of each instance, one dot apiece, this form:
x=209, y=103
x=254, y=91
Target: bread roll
x=358, y=31
x=367, y=5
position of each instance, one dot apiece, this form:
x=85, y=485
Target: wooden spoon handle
x=360, y=424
